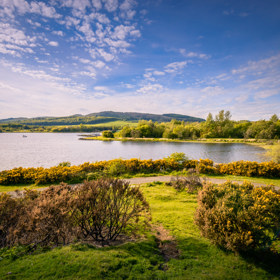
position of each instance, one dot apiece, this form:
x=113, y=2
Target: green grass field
x=199, y=259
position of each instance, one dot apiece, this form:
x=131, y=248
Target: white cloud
x=158, y=73
x=101, y=18
x=59, y=33
x=79, y=5
x=90, y=74
x=267, y=93
x=150, y=88
x=110, y=5
x=117, y=44
x=107, y=56
x=34, y=24
x=99, y=64
x=43, y=10
x=193, y=54
x=53, y=44
x=213, y=91
x=14, y=41
x=257, y=67
x=175, y=67
x=127, y=9
x=97, y=4
x=122, y=31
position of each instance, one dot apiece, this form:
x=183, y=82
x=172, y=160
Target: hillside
x=134, y=116
x=101, y=117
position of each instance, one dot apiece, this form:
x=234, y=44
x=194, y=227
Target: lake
x=49, y=149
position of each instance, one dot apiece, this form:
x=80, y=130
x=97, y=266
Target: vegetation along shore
x=185, y=227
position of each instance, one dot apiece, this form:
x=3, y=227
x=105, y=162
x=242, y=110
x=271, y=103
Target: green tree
x=274, y=118
x=108, y=134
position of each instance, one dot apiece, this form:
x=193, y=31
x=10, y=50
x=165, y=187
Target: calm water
x=49, y=149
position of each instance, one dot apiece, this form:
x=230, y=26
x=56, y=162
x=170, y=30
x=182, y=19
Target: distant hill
x=133, y=116
x=12, y=120
x=101, y=117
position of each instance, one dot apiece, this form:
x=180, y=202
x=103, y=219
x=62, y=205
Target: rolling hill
x=101, y=117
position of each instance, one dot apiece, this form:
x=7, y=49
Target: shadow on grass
x=265, y=259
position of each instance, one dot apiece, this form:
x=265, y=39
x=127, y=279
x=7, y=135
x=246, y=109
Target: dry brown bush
x=190, y=182
x=101, y=210
x=106, y=208
x=45, y=219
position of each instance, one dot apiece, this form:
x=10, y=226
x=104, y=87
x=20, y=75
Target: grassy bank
x=142, y=259
x=264, y=181
x=261, y=143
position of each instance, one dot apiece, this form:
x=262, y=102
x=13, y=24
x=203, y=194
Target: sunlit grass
x=142, y=260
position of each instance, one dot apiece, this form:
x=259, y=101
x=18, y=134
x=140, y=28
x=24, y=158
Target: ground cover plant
x=172, y=210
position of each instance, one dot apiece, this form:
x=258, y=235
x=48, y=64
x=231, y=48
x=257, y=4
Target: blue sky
x=192, y=57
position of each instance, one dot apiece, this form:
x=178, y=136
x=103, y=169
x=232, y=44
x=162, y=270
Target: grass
x=265, y=144
x=20, y=187
x=264, y=181
x=142, y=260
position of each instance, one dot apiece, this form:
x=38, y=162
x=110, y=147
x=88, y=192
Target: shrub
x=8, y=217
x=11, y=211
x=64, y=163
x=238, y=217
x=107, y=208
x=108, y=134
x=206, y=166
x=46, y=219
x=116, y=167
x=191, y=182
x=274, y=153
x=177, y=157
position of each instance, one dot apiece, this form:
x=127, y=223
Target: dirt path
x=144, y=180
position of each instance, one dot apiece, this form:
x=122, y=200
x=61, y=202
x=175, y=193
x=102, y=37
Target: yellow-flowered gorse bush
x=239, y=217
x=118, y=167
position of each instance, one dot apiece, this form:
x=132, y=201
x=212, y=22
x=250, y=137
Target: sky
x=65, y=57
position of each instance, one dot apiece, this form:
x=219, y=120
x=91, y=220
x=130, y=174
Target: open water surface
x=49, y=149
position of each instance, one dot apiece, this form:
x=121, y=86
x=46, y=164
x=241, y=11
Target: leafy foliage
x=108, y=134
x=239, y=217
x=274, y=153
x=117, y=167
x=220, y=126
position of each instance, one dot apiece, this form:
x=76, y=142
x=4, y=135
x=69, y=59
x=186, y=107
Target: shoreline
x=263, y=144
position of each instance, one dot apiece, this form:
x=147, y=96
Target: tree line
x=220, y=126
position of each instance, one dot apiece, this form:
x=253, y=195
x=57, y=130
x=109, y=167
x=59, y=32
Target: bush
x=116, y=167
x=101, y=210
x=46, y=219
x=239, y=217
x=177, y=157
x=274, y=153
x=108, y=134
x=8, y=217
x=107, y=208
x=206, y=166
x=11, y=212
x=191, y=182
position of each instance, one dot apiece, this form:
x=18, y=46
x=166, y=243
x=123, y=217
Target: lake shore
x=266, y=144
